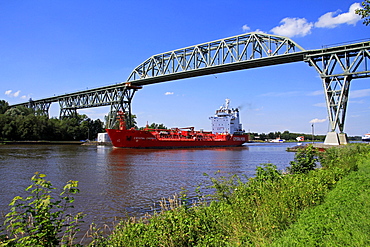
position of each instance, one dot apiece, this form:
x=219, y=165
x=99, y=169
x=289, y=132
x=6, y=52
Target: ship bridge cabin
x=226, y=120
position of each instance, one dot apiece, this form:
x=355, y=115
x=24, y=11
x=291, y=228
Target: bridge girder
x=234, y=53
x=40, y=108
x=337, y=67
x=119, y=97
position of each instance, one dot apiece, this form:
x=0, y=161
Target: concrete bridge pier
x=333, y=138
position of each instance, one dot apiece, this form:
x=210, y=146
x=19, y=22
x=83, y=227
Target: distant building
x=103, y=137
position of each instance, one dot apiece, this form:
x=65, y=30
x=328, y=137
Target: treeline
x=21, y=123
x=286, y=135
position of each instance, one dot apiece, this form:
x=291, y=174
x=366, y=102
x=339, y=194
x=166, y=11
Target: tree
x=96, y=127
x=286, y=135
x=4, y=106
x=304, y=161
x=19, y=111
x=157, y=126
x=20, y=123
x=365, y=12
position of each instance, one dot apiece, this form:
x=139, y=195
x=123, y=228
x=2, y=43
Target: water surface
x=121, y=182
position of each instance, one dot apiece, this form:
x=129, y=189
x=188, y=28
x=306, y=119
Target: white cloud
x=168, y=93
x=356, y=102
x=316, y=120
x=281, y=94
x=293, y=27
x=317, y=92
x=359, y=93
x=16, y=94
x=332, y=20
x=11, y=94
x=320, y=104
x=259, y=31
x=246, y=28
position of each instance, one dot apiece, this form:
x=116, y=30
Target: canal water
x=126, y=182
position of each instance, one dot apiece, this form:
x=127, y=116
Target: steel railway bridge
x=337, y=67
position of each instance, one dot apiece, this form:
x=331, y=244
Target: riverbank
x=265, y=210
x=41, y=142
x=342, y=220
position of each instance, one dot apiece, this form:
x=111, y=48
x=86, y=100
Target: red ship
x=226, y=132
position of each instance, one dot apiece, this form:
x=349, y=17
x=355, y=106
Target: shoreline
x=41, y=143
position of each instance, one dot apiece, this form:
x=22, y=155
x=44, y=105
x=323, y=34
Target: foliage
x=286, y=135
x=255, y=212
x=156, y=126
x=304, y=161
x=4, y=106
x=343, y=220
x=267, y=173
x=19, y=111
x=40, y=219
x=20, y=123
x=365, y=12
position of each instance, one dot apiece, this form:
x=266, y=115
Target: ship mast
x=227, y=103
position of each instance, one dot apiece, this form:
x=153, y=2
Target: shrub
x=267, y=172
x=304, y=160
x=41, y=220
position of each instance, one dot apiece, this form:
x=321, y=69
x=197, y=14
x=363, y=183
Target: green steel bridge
x=336, y=65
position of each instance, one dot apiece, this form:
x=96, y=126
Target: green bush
x=251, y=213
x=41, y=220
x=342, y=220
x=304, y=161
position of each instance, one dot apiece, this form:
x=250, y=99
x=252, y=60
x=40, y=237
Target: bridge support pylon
x=122, y=103
x=336, y=89
x=337, y=67
x=333, y=138
x=41, y=108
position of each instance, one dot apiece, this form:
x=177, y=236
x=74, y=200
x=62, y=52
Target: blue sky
x=56, y=47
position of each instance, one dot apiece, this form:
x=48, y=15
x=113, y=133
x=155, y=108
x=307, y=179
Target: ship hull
x=366, y=138
x=145, y=139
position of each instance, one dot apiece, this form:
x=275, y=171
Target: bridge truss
x=234, y=53
x=245, y=51
x=337, y=66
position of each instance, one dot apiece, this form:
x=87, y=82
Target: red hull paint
x=154, y=139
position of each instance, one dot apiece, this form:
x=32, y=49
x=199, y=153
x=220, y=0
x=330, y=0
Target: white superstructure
x=366, y=138
x=226, y=120
x=103, y=137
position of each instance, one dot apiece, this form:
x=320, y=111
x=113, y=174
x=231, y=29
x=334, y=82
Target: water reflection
x=122, y=182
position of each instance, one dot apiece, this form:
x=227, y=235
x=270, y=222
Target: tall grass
x=252, y=213
x=342, y=220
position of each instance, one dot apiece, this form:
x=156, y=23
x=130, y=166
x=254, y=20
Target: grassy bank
x=328, y=206
x=269, y=209
x=342, y=220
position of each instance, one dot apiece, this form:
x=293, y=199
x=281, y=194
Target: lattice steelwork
x=41, y=107
x=337, y=66
x=239, y=52
x=118, y=97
